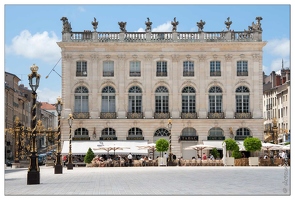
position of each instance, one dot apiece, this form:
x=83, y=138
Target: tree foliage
x=252, y=144
x=215, y=153
x=231, y=145
x=236, y=154
x=162, y=145
x=89, y=156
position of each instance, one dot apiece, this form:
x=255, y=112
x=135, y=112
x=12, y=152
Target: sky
x=31, y=31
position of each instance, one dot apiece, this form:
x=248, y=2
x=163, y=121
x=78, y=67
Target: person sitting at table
x=204, y=157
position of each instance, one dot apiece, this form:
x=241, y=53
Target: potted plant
x=161, y=146
x=215, y=153
x=231, y=145
x=89, y=157
x=252, y=145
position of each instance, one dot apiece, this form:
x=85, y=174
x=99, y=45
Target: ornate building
x=126, y=85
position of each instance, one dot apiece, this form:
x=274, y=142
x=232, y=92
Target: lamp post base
x=33, y=177
x=70, y=166
x=58, y=169
x=170, y=163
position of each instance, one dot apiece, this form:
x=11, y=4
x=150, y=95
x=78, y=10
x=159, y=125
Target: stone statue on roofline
x=174, y=24
x=67, y=28
x=94, y=24
x=148, y=25
x=122, y=26
x=255, y=27
x=200, y=25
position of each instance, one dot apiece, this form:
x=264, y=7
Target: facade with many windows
x=126, y=85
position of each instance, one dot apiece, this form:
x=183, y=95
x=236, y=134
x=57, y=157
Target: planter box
x=242, y=162
x=230, y=161
x=253, y=161
x=162, y=161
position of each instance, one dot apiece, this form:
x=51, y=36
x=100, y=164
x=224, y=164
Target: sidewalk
x=177, y=181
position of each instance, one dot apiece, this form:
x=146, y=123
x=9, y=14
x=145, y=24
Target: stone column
x=92, y=68
x=120, y=74
x=147, y=96
x=228, y=97
x=173, y=96
x=257, y=92
x=203, y=102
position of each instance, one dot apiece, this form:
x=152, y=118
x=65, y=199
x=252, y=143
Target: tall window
x=189, y=132
x=215, y=99
x=161, y=68
x=81, y=99
x=162, y=132
x=216, y=132
x=188, y=100
x=162, y=100
x=107, y=132
x=243, y=132
x=134, y=100
x=108, y=68
x=81, y=68
x=81, y=132
x=242, y=99
x=108, y=101
x=135, y=68
x=242, y=68
x=215, y=68
x=188, y=68
x=135, y=132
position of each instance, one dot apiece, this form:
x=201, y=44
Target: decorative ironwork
x=242, y=73
x=107, y=115
x=161, y=74
x=162, y=115
x=243, y=115
x=216, y=138
x=242, y=137
x=134, y=138
x=81, y=115
x=80, y=138
x=215, y=73
x=189, y=115
x=131, y=115
x=108, y=138
x=186, y=73
x=216, y=115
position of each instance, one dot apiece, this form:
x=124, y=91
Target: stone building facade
x=126, y=85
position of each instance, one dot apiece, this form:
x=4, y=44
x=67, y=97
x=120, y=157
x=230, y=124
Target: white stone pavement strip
x=182, y=181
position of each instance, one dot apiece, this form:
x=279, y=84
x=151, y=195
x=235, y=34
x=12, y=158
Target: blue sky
x=31, y=31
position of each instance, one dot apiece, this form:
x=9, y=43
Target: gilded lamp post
x=70, y=163
x=33, y=176
x=170, y=162
x=58, y=164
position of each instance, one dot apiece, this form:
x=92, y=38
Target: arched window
x=81, y=132
x=243, y=132
x=108, y=101
x=189, y=132
x=188, y=100
x=215, y=99
x=107, y=132
x=81, y=99
x=162, y=100
x=242, y=99
x=134, y=132
x=162, y=132
x=135, y=100
x=215, y=132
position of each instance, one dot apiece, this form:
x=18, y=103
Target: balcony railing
x=161, y=74
x=135, y=138
x=185, y=73
x=242, y=137
x=134, y=74
x=162, y=115
x=131, y=115
x=242, y=73
x=189, y=115
x=81, y=115
x=108, y=74
x=216, y=138
x=108, y=138
x=243, y=115
x=108, y=115
x=212, y=115
x=216, y=73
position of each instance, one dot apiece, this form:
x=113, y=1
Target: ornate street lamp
x=58, y=165
x=33, y=176
x=170, y=162
x=70, y=163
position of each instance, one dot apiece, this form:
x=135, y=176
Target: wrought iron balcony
x=243, y=115
x=215, y=115
x=108, y=74
x=108, y=115
x=162, y=115
x=215, y=73
x=134, y=74
x=135, y=138
x=81, y=73
x=108, y=138
x=189, y=115
x=186, y=73
x=131, y=115
x=81, y=115
x=161, y=73
x=242, y=73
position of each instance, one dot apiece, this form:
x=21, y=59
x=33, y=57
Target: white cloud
x=47, y=95
x=276, y=64
x=167, y=27
x=41, y=45
x=81, y=9
x=278, y=47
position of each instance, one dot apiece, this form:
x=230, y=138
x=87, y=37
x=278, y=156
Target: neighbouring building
x=277, y=104
x=126, y=85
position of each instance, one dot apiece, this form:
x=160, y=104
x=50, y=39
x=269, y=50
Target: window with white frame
x=242, y=99
x=135, y=100
x=188, y=100
x=188, y=68
x=215, y=99
x=162, y=100
x=108, y=99
x=108, y=68
x=81, y=99
x=242, y=68
x=215, y=68
x=135, y=68
x=161, y=68
x=81, y=68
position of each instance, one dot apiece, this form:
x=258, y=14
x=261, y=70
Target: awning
x=81, y=147
x=218, y=144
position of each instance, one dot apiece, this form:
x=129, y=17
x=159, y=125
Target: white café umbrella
x=285, y=147
x=150, y=147
x=270, y=146
x=199, y=147
x=110, y=148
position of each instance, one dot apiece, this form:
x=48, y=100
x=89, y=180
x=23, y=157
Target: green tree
x=162, y=145
x=237, y=154
x=89, y=156
x=215, y=153
x=231, y=145
x=252, y=144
